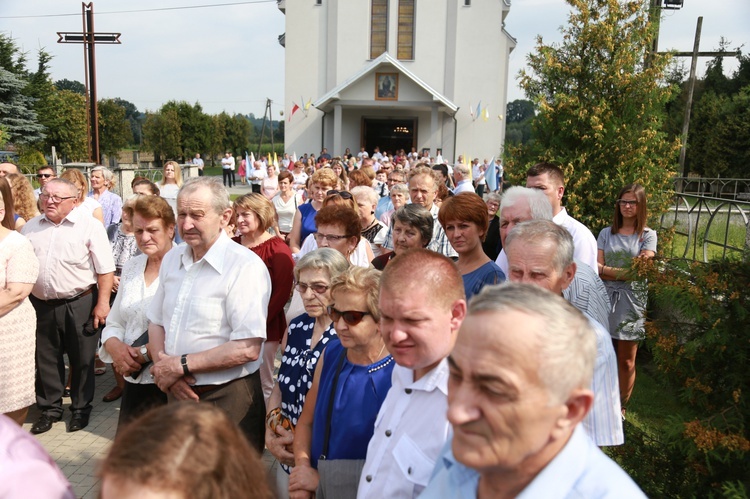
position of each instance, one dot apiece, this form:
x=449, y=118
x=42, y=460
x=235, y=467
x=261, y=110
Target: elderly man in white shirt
x=463, y=179
x=549, y=179
x=540, y=252
x=420, y=318
x=206, y=337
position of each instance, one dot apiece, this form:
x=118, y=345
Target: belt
x=203, y=389
x=62, y=301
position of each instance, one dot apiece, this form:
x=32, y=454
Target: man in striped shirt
x=540, y=252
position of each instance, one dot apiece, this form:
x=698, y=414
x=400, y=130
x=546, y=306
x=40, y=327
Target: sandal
x=98, y=371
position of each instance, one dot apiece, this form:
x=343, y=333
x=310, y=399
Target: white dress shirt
x=71, y=254
x=202, y=305
x=410, y=431
x=603, y=423
x=584, y=241
x=463, y=186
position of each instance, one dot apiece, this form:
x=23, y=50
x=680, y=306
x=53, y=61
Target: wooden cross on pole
x=691, y=85
x=89, y=39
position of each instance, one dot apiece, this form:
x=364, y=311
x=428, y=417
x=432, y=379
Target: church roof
x=384, y=59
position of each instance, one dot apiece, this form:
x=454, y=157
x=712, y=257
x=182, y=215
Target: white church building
x=428, y=74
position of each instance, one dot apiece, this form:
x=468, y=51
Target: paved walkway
x=78, y=454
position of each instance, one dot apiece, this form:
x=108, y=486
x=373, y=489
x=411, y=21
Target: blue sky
x=228, y=58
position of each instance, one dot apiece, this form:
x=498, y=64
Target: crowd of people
x=437, y=337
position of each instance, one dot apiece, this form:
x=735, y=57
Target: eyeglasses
x=343, y=194
x=317, y=288
x=319, y=238
x=351, y=317
x=55, y=199
x=44, y=175
x=623, y=202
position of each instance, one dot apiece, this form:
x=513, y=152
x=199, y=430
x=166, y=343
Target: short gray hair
x=327, y=259
x=565, y=345
x=73, y=188
x=219, y=194
x=494, y=196
x=106, y=173
x=535, y=232
x=365, y=192
x=539, y=205
x=417, y=216
x=400, y=188
x=462, y=169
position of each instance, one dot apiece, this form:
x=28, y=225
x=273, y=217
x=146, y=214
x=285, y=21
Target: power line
x=143, y=10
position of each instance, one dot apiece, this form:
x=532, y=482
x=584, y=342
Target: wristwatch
x=144, y=352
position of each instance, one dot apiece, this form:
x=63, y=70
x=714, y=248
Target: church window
x=406, y=29
x=378, y=28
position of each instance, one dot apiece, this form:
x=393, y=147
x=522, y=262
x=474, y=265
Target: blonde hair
x=177, y=173
x=77, y=178
x=24, y=202
x=258, y=204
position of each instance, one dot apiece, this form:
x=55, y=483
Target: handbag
x=139, y=342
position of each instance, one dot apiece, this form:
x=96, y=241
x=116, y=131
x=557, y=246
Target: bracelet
x=183, y=361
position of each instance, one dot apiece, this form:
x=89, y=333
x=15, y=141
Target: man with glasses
x=43, y=176
x=71, y=299
x=549, y=179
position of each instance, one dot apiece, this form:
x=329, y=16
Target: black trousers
x=228, y=177
x=480, y=190
x=59, y=329
x=137, y=399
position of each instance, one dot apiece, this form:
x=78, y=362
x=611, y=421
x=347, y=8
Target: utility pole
x=89, y=39
x=691, y=87
x=266, y=112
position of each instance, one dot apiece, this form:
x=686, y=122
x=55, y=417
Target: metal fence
x=706, y=228
x=721, y=188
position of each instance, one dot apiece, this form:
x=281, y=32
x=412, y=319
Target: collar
x=215, y=256
x=72, y=217
x=437, y=378
x=560, y=216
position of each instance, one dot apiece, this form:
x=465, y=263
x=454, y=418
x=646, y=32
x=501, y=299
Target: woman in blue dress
x=350, y=385
x=307, y=336
x=465, y=219
x=627, y=238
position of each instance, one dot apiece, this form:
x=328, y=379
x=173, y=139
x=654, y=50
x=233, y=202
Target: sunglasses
x=43, y=175
x=351, y=317
x=317, y=288
x=343, y=194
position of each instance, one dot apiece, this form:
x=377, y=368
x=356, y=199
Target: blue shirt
x=474, y=281
x=308, y=227
x=360, y=391
x=580, y=469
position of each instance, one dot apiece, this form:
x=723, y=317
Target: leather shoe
x=114, y=394
x=44, y=424
x=78, y=422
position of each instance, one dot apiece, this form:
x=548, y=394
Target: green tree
x=238, y=134
x=17, y=113
x=195, y=126
x=11, y=58
x=72, y=85
x=135, y=118
x=519, y=110
x=114, y=128
x=218, y=143
x=162, y=134
x=63, y=113
x=600, y=109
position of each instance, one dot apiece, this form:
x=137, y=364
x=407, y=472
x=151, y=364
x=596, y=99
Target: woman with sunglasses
x=307, y=336
x=627, y=238
x=350, y=384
